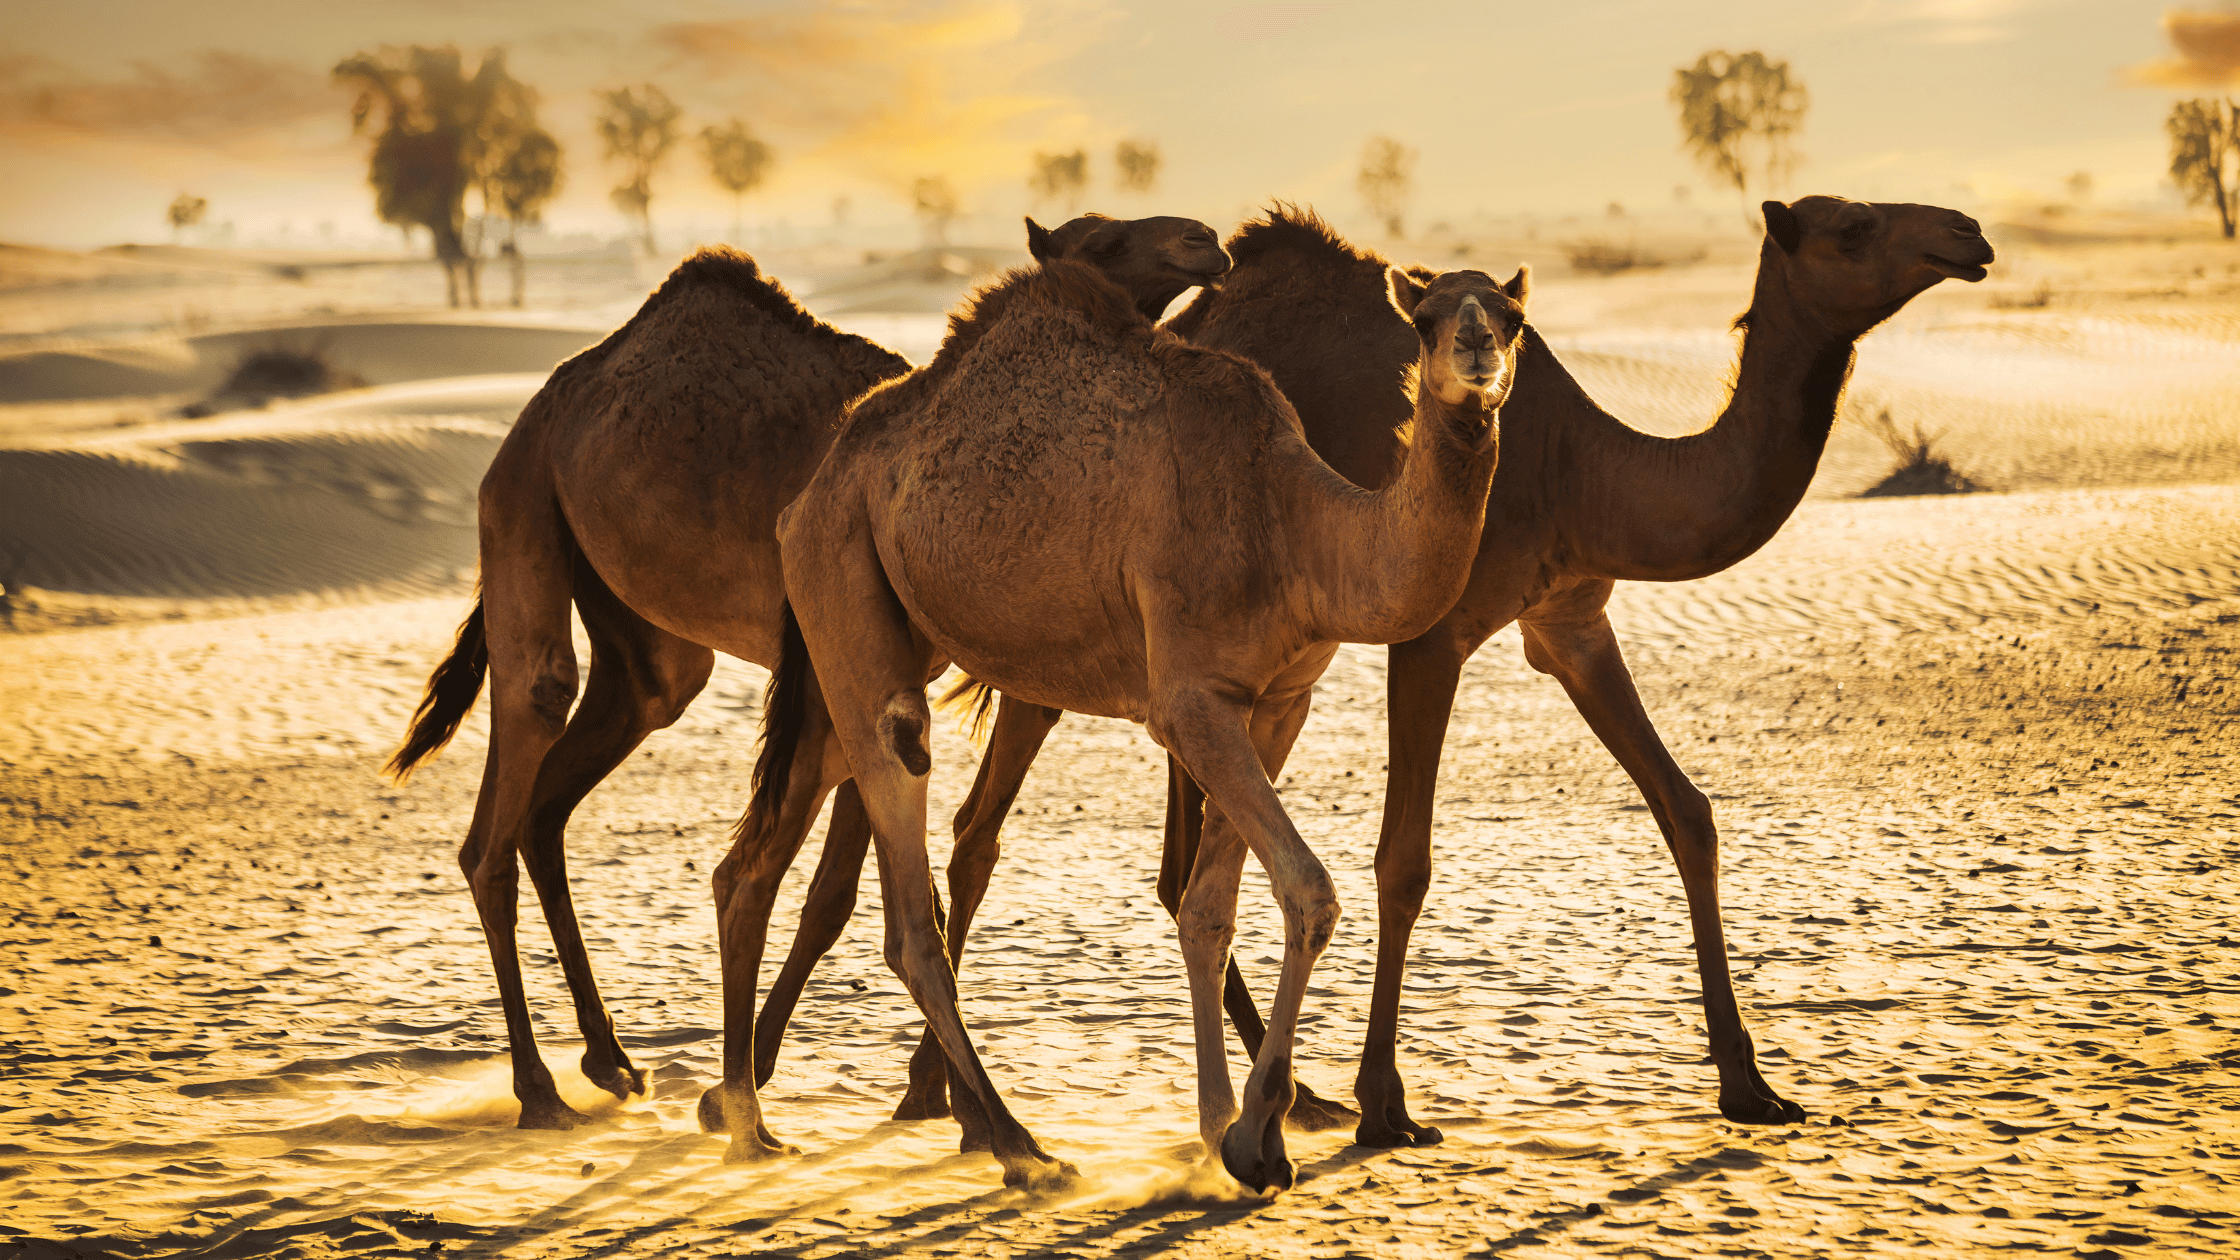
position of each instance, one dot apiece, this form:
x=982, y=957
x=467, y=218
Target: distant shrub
x=1599, y=257
x=275, y=372
x=2035, y=299
x=1922, y=469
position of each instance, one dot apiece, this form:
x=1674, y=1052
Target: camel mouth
x=1970, y=272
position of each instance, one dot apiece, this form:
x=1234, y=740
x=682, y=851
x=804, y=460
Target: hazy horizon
x=1514, y=109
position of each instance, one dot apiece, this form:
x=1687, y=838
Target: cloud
x=1947, y=21
x=217, y=97
x=892, y=90
x=2208, y=48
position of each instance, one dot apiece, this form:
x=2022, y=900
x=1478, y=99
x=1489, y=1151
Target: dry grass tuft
x=1922, y=469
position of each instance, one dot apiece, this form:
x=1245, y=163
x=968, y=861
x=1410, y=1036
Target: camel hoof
x=915, y=1106
x=1041, y=1175
x=621, y=1082
x=755, y=1148
x=1258, y=1166
x=1761, y=1109
x=1396, y=1129
x=552, y=1114
x=1312, y=1113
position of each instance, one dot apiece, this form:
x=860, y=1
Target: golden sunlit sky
x=109, y=107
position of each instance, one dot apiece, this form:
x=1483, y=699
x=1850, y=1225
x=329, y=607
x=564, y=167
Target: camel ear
x=1407, y=291
x=1038, y=241
x=1782, y=225
x=1519, y=284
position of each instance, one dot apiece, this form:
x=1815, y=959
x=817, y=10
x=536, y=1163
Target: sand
x=1973, y=757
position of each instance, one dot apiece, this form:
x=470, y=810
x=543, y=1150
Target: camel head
x=1153, y=259
x=1857, y=262
x=1470, y=325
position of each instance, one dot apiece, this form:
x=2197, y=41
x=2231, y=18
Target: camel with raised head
x=1239, y=562
x=1307, y=306
x=1581, y=501
x=644, y=483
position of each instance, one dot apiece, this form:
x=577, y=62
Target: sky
x=108, y=108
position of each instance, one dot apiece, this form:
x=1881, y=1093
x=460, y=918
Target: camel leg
x=872, y=672
x=642, y=677
x=1310, y=1112
x=831, y=901
x=1204, y=733
x=1019, y=731
x=1584, y=657
x=746, y=885
x=527, y=559
x=1420, y=686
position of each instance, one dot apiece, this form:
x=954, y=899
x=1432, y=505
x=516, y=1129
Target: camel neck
x=1389, y=563
x=1671, y=509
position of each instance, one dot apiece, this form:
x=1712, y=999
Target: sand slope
x=1993, y=940
x=381, y=353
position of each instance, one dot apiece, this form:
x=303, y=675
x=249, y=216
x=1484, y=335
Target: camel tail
x=785, y=712
x=451, y=692
x=973, y=702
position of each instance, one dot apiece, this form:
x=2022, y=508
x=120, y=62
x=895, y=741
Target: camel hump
x=1287, y=227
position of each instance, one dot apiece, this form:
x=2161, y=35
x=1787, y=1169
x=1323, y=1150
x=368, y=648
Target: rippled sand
x=1974, y=760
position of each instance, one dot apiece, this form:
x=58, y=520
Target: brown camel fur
x=1324, y=313
x=1067, y=409
x=1580, y=501
x=644, y=483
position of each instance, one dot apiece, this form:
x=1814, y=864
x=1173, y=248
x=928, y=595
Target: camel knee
x=902, y=731
x=1688, y=821
x=1403, y=883
x=1205, y=931
x=1312, y=911
x=550, y=695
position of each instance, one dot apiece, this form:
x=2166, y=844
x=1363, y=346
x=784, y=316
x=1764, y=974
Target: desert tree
x=2204, y=149
x=1135, y=164
x=1386, y=179
x=737, y=160
x=2080, y=187
x=639, y=126
x=1738, y=115
x=186, y=211
x=935, y=204
x=441, y=132
x=517, y=188
x=1059, y=177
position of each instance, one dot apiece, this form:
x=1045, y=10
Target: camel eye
x=1857, y=232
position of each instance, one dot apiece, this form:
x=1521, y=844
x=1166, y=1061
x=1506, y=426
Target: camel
x=1581, y=501
x=1196, y=566
x=644, y=482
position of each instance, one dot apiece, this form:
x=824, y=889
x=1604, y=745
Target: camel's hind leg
x=1584, y=657
x=526, y=578
x=642, y=677
x=1019, y=731
x=872, y=671
x=1213, y=740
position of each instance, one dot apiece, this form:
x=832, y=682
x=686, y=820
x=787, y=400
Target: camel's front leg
x=825, y=911
x=1186, y=817
x=1019, y=731
x=1420, y=688
x=1211, y=738
x=1584, y=657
